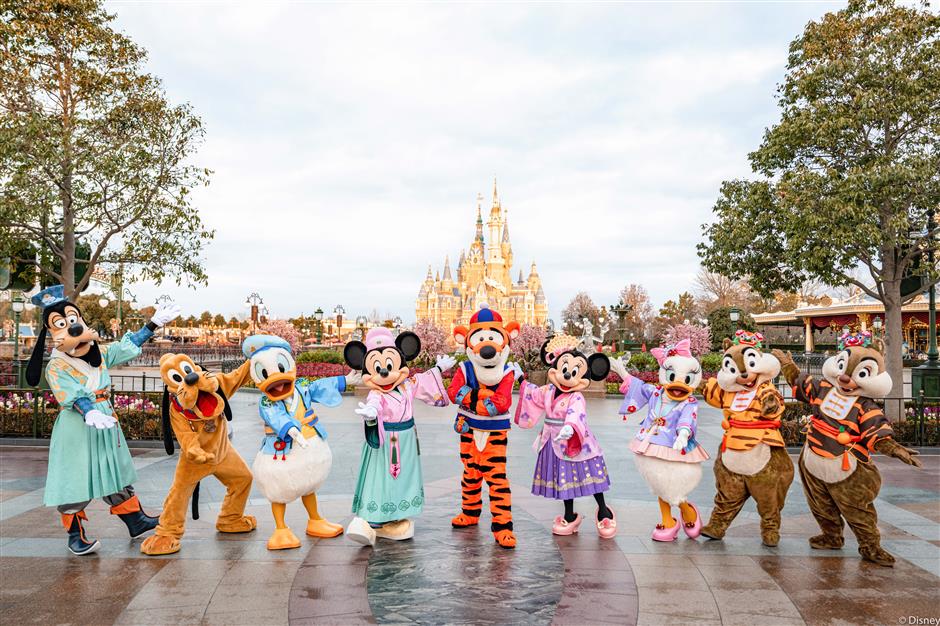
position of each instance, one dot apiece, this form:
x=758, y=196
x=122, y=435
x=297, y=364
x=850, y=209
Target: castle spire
x=479, y=235
x=495, y=194
x=428, y=277
x=506, y=228
x=447, y=275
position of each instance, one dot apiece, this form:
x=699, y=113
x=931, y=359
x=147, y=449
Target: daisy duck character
x=88, y=456
x=294, y=458
x=390, y=488
x=667, y=455
x=570, y=461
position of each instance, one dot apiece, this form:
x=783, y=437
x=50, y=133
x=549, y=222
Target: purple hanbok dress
x=568, y=469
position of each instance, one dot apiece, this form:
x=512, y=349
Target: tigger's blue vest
x=493, y=421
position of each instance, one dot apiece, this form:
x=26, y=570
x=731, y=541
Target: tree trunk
x=67, y=259
x=894, y=338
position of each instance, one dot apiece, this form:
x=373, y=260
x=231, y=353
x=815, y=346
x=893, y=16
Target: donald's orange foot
x=283, y=539
x=324, y=529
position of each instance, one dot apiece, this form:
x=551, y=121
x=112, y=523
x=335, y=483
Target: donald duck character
x=667, y=455
x=294, y=458
x=88, y=456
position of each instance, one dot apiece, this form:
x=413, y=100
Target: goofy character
x=88, y=456
x=482, y=390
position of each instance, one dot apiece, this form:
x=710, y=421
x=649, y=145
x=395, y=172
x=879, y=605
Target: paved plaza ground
x=461, y=576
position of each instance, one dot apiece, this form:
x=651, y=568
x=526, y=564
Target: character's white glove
x=353, y=378
x=516, y=370
x=367, y=410
x=166, y=313
x=566, y=433
x=296, y=436
x=619, y=367
x=682, y=439
x=444, y=362
x=99, y=420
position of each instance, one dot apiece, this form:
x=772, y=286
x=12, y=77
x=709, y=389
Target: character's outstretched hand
x=516, y=370
x=890, y=447
x=619, y=367
x=99, y=420
x=353, y=378
x=367, y=410
x=682, y=439
x=166, y=313
x=566, y=433
x=294, y=433
x=444, y=362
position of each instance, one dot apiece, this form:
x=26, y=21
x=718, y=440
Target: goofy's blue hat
x=49, y=296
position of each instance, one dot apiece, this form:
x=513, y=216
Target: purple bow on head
x=683, y=348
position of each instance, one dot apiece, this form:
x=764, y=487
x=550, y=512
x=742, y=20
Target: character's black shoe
x=134, y=517
x=78, y=543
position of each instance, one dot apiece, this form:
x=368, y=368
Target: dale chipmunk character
x=752, y=461
x=482, y=390
x=294, y=458
x=390, y=488
x=196, y=411
x=88, y=456
x=570, y=461
x=667, y=454
x=839, y=478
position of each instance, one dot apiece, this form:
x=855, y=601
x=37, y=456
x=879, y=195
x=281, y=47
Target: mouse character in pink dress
x=667, y=455
x=570, y=461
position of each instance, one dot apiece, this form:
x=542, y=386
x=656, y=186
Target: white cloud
x=349, y=141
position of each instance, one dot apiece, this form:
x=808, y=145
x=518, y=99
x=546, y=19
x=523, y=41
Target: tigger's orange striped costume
x=483, y=421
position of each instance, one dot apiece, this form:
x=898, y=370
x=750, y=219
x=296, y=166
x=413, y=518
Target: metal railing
x=150, y=354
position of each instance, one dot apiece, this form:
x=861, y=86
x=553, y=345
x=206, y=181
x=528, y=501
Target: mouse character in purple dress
x=570, y=461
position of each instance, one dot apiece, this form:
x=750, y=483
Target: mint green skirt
x=379, y=498
x=86, y=463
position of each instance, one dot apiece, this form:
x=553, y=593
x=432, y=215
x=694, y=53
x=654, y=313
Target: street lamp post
x=338, y=313
x=734, y=314
x=397, y=322
x=253, y=301
x=925, y=378
x=18, y=306
x=622, y=310
x=361, y=322
x=318, y=316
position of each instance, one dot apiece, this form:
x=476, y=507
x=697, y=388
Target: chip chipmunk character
x=839, y=478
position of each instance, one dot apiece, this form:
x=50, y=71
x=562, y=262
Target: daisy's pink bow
x=683, y=348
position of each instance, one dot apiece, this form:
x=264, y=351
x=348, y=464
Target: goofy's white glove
x=516, y=370
x=682, y=439
x=296, y=436
x=367, y=411
x=566, y=433
x=444, y=362
x=99, y=420
x=166, y=313
x=353, y=378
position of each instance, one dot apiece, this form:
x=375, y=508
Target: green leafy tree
x=849, y=176
x=719, y=322
x=92, y=155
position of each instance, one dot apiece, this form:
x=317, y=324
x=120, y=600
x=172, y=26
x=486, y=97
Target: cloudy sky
x=349, y=143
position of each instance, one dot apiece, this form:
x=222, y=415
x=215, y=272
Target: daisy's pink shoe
x=607, y=528
x=661, y=533
x=561, y=527
x=693, y=529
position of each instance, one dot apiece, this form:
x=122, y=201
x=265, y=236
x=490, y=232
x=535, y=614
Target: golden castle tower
x=483, y=276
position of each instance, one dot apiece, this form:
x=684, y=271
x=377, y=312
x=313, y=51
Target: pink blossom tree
x=433, y=341
x=285, y=330
x=525, y=347
x=700, y=337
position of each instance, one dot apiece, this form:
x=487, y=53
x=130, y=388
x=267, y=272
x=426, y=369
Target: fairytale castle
x=484, y=275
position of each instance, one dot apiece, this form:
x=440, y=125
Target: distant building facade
x=484, y=275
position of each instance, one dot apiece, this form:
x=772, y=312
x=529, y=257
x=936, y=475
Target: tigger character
x=839, y=479
x=667, y=454
x=752, y=461
x=196, y=408
x=570, y=461
x=390, y=488
x=482, y=390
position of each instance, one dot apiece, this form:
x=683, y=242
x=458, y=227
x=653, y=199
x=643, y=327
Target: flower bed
x=25, y=413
